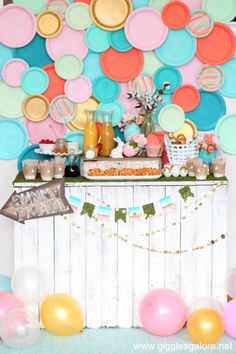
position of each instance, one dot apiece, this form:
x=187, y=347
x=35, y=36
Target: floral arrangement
x=208, y=143
x=137, y=141
x=131, y=118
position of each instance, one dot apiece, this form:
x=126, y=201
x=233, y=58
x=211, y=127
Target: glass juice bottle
x=106, y=134
x=90, y=132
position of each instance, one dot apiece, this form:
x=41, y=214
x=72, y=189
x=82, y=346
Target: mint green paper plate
x=35, y=6
x=69, y=66
x=78, y=16
x=226, y=132
x=34, y=81
x=11, y=101
x=105, y=90
x=171, y=118
x=97, y=39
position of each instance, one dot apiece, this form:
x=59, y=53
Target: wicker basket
x=178, y=154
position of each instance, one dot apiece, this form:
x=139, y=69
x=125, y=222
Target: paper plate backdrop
x=73, y=54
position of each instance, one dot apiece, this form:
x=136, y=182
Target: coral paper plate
x=56, y=83
x=49, y=24
x=171, y=118
x=145, y=30
x=210, y=109
x=68, y=40
x=187, y=97
x=122, y=67
x=101, y=11
x=17, y=25
x=12, y=71
x=175, y=14
x=36, y=108
x=225, y=131
x=13, y=138
x=218, y=47
x=79, y=90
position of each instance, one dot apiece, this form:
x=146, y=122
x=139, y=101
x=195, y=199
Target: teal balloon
x=5, y=283
x=130, y=129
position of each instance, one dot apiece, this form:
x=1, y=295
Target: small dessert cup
x=218, y=168
x=154, y=150
x=30, y=169
x=201, y=172
x=59, y=167
x=47, y=171
x=190, y=166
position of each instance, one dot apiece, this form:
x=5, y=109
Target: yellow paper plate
x=110, y=15
x=78, y=123
x=49, y=24
x=189, y=130
x=36, y=108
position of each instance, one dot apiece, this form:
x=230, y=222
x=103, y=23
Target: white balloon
x=19, y=329
x=29, y=285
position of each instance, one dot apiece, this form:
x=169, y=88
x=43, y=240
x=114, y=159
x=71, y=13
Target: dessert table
x=105, y=271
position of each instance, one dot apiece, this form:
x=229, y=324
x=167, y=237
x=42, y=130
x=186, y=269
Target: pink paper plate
x=193, y=4
x=41, y=130
x=69, y=40
x=189, y=72
x=12, y=71
x=128, y=104
x=145, y=29
x=78, y=90
x=17, y=25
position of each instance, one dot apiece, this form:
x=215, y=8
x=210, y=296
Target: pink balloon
x=229, y=317
x=189, y=72
x=8, y=302
x=163, y=312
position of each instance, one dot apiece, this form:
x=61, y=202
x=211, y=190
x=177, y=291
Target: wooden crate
x=109, y=277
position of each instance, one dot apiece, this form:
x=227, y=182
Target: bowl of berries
x=47, y=145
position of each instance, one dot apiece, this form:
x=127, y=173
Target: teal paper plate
x=13, y=138
x=210, y=109
x=229, y=87
x=92, y=68
x=178, y=49
x=105, y=90
x=29, y=154
x=5, y=55
x=34, y=53
x=140, y=3
x=225, y=131
x=170, y=74
x=97, y=39
x=75, y=136
x=34, y=81
x=118, y=41
x=118, y=109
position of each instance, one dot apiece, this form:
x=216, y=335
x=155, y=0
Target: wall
x=8, y=172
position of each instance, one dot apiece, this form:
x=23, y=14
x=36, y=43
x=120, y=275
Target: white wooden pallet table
x=109, y=277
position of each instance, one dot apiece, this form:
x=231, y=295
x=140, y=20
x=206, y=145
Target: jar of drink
x=107, y=134
x=90, y=132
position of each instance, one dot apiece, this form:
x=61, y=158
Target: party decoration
x=12, y=71
x=205, y=302
x=105, y=90
x=158, y=4
x=49, y=24
x=120, y=214
x=210, y=78
x=78, y=16
x=187, y=97
x=205, y=326
x=155, y=31
x=200, y=24
x=97, y=39
x=46, y=200
x=23, y=30
x=78, y=90
x=59, y=6
x=163, y=312
x=5, y=283
x=62, y=315
x=80, y=119
x=230, y=318
x=92, y=68
x=189, y=129
x=175, y=15
x=186, y=193
x=29, y=154
x=189, y=72
x=149, y=210
x=34, y=6
x=19, y=329
x=56, y=83
x=8, y=302
x=6, y=54
x=34, y=81
x=101, y=10
x=116, y=107
x=36, y=108
x=11, y=100
x=231, y=283
x=167, y=74
x=228, y=88
x=171, y=118
x=62, y=110
x=118, y=41
x=88, y=209
x=69, y=66
x=29, y=285
x=218, y=11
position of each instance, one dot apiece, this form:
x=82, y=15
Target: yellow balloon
x=62, y=315
x=205, y=326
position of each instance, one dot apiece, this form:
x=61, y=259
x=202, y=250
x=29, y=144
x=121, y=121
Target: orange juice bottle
x=90, y=132
x=107, y=134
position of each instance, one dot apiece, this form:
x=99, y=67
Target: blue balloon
x=5, y=283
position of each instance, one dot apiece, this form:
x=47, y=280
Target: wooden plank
x=140, y=257
x=188, y=260
x=204, y=235
x=219, y=250
x=125, y=262
x=157, y=241
x=78, y=253
x=173, y=242
x=62, y=254
x=109, y=265
x=93, y=268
